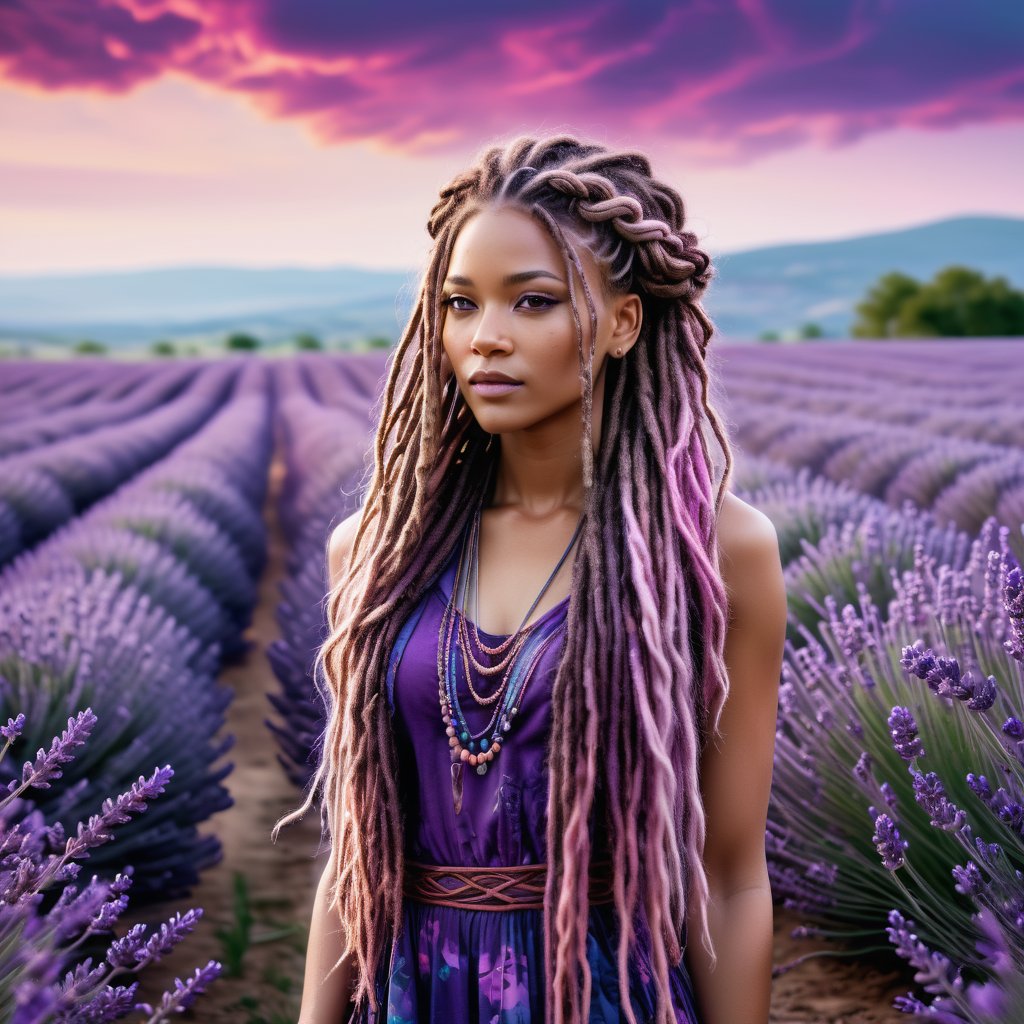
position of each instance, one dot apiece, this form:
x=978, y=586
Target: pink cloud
x=734, y=80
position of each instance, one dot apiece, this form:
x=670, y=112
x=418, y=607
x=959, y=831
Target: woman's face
x=506, y=307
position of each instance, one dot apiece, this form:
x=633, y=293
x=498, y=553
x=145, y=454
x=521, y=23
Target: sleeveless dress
x=452, y=965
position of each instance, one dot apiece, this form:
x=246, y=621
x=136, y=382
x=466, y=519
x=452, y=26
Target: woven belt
x=516, y=887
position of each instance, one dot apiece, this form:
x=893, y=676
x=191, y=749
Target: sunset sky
x=151, y=133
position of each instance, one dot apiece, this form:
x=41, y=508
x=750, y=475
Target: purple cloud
x=734, y=78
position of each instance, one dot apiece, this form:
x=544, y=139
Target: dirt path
x=282, y=878
x=829, y=990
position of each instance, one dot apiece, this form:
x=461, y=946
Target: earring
x=618, y=351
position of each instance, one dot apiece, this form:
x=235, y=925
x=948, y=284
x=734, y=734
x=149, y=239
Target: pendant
x=457, y=786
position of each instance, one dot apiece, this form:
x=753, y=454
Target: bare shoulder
x=339, y=546
x=749, y=548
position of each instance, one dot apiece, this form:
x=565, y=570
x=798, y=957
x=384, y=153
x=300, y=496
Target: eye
x=450, y=300
x=547, y=302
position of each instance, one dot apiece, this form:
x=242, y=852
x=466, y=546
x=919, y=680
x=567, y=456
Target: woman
x=533, y=781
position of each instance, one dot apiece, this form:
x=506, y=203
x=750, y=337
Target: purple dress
x=466, y=966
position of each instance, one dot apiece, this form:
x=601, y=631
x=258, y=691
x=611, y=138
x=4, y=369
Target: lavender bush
x=77, y=638
x=865, y=553
x=803, y=508
x=37, y=945
x=899, y=775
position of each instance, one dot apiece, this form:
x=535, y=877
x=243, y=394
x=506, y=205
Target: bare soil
x=281, y=879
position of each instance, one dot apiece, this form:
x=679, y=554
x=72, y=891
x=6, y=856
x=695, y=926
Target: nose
x=490, y=334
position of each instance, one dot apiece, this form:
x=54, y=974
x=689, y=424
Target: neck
x=539, y=469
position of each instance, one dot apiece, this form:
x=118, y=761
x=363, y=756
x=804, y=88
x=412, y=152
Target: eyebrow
x=508, y=281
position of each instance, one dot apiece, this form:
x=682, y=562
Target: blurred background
x=175, y=174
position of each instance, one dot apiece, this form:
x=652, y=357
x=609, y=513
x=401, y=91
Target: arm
x=326, y=997
x=736, y=778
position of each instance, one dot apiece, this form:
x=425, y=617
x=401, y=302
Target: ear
x=627, y=319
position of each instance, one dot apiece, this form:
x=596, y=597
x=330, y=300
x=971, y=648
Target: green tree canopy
x=957, y=303
x=878, y=314
x=163, y=348
x=308, y=343
x=88, y=347
x=240, y=342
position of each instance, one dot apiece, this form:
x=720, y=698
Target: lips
x=491, y=377
x=494, y=387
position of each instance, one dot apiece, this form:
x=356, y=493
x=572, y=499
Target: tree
x=957, y=303
x=163, y=348
x=812, y=330
x=88, y=347
x=879, y=312
x=308, y=343
x=239, y=342
x=961, y=303
x=377, y=341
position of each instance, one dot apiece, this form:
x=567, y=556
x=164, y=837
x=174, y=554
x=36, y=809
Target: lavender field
x=162, y=539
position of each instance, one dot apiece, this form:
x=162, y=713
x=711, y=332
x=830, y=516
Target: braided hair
x=642, y=679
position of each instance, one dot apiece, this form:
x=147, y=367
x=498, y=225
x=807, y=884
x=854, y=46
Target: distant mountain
x=777, y=287
x=133, y=307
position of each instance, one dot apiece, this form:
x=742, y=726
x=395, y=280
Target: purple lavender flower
x=34, y=948
x=888, y=795
x=918, y=661
x=990, y=998
x=989, y=852
x=903, y=730
x=934, y=971
x=862, y=769
x=931, y=795
x=134, y=950
x=984, y=695
x=979, y=784
x=12, y=730
x=945, y=678
x=889, y=842
x=185, y=992
x=968, y=878
x=118, y=811
x=1013, y=598
x=45, y=768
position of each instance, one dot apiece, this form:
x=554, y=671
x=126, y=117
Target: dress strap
x=405, y=633
x=399, y=649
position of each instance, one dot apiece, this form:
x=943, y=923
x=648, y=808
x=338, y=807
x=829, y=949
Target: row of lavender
x=86, y=453
x=123, y=616
x=950, y=389
x=937, y=424
x=897, y=808
x=54, y=403
x=325, y=415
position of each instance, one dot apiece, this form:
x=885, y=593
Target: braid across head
x=642, y=680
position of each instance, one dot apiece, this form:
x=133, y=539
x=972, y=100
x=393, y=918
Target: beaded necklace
x=522, y=651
